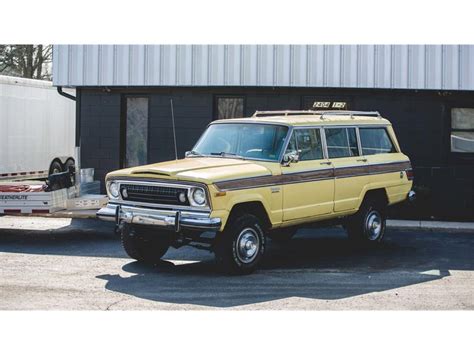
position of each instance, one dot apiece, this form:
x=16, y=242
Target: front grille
x=161, y=195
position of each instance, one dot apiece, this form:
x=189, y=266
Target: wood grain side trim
x=389, y=167
x=351, y=171
x=271, y=180
x=313, y=175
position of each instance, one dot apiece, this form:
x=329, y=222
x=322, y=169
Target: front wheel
x=367, y=226
x=144, y=245
x=240, y=248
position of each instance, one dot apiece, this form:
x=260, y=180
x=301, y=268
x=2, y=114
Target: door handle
x=325, y=163
x=363, y=160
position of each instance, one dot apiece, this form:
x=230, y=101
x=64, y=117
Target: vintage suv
x=266, y=175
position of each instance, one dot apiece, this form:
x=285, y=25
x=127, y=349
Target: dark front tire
x=282, y=235
x=367, y=226
x=145, y=245
x=240, y=247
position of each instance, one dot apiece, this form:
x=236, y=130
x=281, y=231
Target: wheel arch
x=252, y=207
x=378, y=194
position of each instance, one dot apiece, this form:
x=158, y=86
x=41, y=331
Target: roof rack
x=313, y=112
x=349, y=113
x=283, y=113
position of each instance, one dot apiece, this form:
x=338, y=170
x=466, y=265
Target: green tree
x=26, y=60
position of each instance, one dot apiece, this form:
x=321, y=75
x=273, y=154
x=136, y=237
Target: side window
x=341, y=142
x=375, y=141
x=309, y=144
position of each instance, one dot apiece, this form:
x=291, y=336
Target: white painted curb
x=430, y=225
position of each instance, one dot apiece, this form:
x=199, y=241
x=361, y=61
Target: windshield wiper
x=228, y=155
x=194, y=154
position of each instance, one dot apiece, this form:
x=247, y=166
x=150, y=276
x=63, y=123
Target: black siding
x=421, y=120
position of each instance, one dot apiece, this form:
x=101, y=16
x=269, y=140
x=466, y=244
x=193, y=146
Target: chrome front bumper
x=175, y=220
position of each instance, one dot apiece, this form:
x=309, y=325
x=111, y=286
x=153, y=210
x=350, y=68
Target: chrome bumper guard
x=176, y=220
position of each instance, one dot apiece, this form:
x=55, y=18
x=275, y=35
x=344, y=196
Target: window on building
x=309, y=144
x=230, y=107
x=341, y=142
x=375, y=141
x=136, y=135
x=462, y=130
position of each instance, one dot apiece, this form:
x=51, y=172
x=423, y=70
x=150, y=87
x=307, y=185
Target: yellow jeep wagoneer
x=264, y=176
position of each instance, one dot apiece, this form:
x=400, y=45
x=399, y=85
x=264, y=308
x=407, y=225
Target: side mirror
x=188, y=153
x=290, y=158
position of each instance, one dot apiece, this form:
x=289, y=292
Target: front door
x=308, y=185
x=350, y=169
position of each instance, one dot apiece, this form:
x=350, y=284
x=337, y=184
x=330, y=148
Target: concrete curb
x=431, y=225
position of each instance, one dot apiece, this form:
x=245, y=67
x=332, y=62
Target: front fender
x=222, y=204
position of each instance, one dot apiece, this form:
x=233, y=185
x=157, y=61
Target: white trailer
x=37, y=129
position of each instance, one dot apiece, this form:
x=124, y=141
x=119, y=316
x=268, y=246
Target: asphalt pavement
x=71, y=264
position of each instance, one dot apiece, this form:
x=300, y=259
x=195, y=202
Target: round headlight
x=199, y=196
x=114, y=190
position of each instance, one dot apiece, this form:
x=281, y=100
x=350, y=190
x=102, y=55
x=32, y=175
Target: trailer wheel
x=70, y=162
x=55, y=168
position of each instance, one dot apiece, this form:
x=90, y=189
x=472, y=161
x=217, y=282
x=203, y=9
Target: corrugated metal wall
x=448, y=67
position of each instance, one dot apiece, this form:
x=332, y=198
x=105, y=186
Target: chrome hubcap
x=247, y=245
x=373, y=225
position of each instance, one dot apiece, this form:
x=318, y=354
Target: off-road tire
x=282, y=235
x=144, y=245
x=361, y=228
x=231, y=251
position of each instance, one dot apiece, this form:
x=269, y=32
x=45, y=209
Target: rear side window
x=341, y=142
x=375, y=141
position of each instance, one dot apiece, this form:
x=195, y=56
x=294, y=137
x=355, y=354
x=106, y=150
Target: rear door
x=350, y=168
x=387, y=165
x=308, y=185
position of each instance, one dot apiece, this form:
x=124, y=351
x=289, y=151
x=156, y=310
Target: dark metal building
x=124, y=93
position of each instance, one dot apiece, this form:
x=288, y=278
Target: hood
x=206, y=170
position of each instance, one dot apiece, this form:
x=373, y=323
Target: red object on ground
x=22, y=188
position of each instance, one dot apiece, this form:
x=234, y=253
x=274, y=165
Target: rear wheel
x=145, y=245
x=240, y=248
x=367, y=226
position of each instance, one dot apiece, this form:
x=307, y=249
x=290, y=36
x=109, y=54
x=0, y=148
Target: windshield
x=242, y=140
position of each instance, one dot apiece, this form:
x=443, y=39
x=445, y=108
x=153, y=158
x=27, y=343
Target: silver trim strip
x=158, y=218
